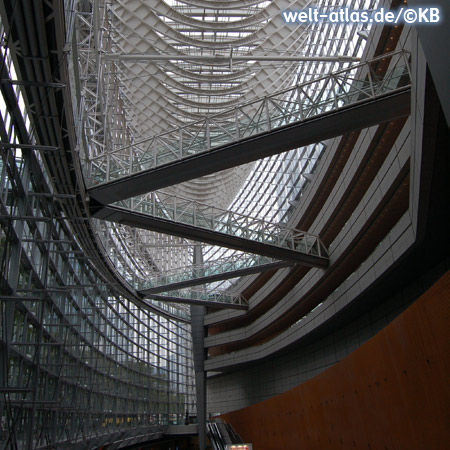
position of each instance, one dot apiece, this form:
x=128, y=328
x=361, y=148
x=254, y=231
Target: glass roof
x=144, y=96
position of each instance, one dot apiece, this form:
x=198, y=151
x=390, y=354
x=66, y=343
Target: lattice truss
x=139, y=255
x=126, y=101
x=299, y=103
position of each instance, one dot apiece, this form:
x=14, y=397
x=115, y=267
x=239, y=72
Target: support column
x=198, y=337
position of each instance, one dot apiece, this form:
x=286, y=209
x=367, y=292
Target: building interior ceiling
x=291, y=253
x=134, y=70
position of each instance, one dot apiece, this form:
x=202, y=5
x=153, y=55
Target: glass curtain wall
x=78, y=359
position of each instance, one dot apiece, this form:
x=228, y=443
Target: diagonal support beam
x=216, y=277
x=189, y=301
x=365, y=113
x=160, y=225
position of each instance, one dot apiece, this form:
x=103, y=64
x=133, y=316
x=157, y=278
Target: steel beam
x=151, y=57
x=216, y=277
x=188, y=301
x=140, y=220
x=364, y=114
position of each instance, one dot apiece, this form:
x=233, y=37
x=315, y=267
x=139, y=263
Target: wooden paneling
x=391, y=393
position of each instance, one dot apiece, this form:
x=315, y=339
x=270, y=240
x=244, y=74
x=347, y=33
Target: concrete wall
x=365, y=220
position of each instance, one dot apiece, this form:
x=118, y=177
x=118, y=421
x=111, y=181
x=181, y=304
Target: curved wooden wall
x=391, y=393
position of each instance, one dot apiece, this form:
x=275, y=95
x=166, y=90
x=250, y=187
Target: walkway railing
x=331, y=92
x=188, y=212
x=219, y=269
x=216, y=297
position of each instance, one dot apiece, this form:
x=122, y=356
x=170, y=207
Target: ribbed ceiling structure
x=157, y=65
x=165, y=94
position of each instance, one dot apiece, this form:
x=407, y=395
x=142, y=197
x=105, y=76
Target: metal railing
x=221, y=266
x=331, y=92
x=185, y=211
x=204, y=295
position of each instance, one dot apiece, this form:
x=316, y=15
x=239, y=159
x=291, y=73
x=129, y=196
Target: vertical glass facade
x=82, y=355
x=79, y=360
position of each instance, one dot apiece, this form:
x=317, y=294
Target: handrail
x=303, y=101
x=214, y=268
x=189, y=212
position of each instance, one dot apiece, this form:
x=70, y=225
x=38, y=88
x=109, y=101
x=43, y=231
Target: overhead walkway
x=233, y=266
x=214, y=299
x=356, y=97
x=192, y=220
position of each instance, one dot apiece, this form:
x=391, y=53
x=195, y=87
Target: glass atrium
x=119, y=213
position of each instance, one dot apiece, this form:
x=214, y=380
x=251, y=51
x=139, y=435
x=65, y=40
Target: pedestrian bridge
x=356, y=97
